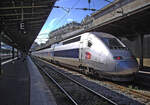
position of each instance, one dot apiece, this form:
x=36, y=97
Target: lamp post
x=141, y=50
x=13, y=53
x=0, y=52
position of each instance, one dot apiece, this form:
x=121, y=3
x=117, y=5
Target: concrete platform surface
x=14, y=84
x=40, y=93
x=22, y=84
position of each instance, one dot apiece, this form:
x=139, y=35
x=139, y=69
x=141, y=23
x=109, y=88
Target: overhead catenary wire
x=93, y=4
x=89, y=1
x=84, y=9
x=108, y=1
x=68, y=11
x=61, y=19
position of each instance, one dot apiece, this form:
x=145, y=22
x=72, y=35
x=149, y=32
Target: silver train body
x=96, y=53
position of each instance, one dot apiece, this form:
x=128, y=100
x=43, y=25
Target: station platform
x=22, y=84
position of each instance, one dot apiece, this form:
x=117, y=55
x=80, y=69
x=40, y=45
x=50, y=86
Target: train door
x=81, y=52
x=83, y=47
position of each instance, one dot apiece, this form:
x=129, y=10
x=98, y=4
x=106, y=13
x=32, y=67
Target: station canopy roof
x=22, y=20
x=130, y=24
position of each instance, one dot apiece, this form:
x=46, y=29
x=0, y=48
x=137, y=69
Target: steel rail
x=131, y=91
x=87, y=88
x=60, y=87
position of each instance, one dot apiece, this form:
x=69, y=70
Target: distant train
x=5, y=53
x=96, y=53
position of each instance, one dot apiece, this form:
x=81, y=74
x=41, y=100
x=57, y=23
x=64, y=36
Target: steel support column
x=17, y=53
x=13, y=55
x=141, y=50
x=0, y=52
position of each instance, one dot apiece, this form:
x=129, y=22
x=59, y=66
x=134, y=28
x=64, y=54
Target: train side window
x=72, y=40
x=89, y=44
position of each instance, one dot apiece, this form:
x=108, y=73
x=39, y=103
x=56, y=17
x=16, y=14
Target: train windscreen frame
x=112, y=43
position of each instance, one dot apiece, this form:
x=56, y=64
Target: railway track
x=143, y=78
x=136, y=94
x=77, y=93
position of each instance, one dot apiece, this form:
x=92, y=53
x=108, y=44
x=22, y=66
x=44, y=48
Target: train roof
x=102, y=34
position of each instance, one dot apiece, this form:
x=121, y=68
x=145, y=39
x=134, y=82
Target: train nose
x=126, y=67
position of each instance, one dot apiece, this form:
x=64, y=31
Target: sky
x=61, y=16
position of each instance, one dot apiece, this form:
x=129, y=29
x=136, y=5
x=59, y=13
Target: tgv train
x=96, y=53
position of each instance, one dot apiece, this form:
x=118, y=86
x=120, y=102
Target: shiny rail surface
x=60, y=87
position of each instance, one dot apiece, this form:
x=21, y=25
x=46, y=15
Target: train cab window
x=112, y=42
x=72, y=40
x=89, y=44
